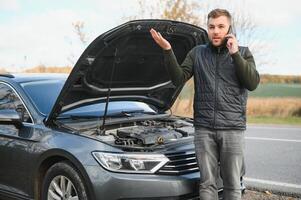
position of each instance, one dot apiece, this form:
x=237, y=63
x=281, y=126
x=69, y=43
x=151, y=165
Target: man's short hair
x=219, y=12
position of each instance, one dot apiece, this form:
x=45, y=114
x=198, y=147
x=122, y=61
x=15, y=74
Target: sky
x=40, y=32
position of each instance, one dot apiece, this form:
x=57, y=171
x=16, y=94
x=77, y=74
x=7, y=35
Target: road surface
x=273, y=158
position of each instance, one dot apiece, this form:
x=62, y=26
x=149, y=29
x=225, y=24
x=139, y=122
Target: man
x=223, y=72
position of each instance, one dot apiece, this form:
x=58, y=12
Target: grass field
x=264, y=90
x=259, y=110
x=274, y=120
x=274, y=107
x=277, y=90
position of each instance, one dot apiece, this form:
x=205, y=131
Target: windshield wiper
x=129, y=113
x=137, y=111
x=78, y=117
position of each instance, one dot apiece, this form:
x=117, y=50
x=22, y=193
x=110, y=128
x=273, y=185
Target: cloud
x=284, y=59
x=267, y=13
x=38, y=38
x=9, y=5
x=47, y=38
x=272, y=13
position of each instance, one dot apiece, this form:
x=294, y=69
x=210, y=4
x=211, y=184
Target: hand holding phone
x=231, y=41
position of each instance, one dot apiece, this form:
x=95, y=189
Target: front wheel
x=63, y=182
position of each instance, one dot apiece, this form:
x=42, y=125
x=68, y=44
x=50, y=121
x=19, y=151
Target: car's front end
x=157, y=185
x=148, y=156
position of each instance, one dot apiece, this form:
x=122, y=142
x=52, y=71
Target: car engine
x=149, y=133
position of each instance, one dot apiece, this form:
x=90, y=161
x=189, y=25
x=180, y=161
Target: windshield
x=44, y=94
x=114, y=108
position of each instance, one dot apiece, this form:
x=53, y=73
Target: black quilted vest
x=219, y=100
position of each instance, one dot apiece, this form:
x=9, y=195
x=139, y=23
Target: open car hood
x=130, y=57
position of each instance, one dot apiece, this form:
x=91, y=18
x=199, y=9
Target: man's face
x=218, y=29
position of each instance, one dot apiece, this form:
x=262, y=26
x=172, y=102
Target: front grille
x=180, y=163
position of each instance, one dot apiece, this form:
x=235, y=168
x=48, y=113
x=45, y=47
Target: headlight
x=130, y=163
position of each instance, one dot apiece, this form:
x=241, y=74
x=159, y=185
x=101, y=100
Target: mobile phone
x=230, y=31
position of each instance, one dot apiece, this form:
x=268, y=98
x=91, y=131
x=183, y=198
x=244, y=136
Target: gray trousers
x=224, y=146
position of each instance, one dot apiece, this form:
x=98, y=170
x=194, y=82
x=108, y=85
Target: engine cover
x=148, y=135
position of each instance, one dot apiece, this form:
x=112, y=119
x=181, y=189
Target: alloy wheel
x=61, y=188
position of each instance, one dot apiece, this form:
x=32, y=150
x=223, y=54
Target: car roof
x=32, y=77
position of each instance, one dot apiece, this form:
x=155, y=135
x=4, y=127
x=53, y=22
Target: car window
x=10, y=100
x=43, y=93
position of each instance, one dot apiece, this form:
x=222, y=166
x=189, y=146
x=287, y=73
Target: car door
x=16, y=147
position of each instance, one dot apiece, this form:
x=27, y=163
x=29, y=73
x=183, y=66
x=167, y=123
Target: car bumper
x=120, y=186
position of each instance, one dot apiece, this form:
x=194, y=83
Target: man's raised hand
x=161, y=41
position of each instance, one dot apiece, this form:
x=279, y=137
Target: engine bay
x=139, y=133
x=142, y=133
x=149, y=133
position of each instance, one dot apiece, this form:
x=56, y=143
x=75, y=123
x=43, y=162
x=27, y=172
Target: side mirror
x=10, y=116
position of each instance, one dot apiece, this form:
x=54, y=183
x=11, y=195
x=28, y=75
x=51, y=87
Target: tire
x=62, y=181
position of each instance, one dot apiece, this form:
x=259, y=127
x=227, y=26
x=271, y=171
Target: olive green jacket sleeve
x=246, y=69
x=179, y=74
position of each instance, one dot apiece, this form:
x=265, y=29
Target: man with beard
x=223, y=72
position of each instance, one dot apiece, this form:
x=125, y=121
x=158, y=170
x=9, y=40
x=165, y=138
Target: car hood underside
x=127, y=61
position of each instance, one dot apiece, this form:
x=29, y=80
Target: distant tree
x=179, y=10
x=78, y=27
x=2, y=70
x=49, y=69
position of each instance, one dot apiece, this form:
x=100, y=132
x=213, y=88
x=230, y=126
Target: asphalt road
x=273, y=159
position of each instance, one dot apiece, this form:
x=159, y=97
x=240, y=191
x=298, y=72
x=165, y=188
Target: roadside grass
x=277, y=90
x=259, y=110
x=270, y=103
x=274, y=120
x=274, y=107
x=264, y=90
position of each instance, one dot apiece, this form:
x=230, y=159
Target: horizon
x=22, y=71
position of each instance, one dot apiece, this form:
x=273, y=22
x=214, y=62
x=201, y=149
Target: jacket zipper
x=216, y=84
